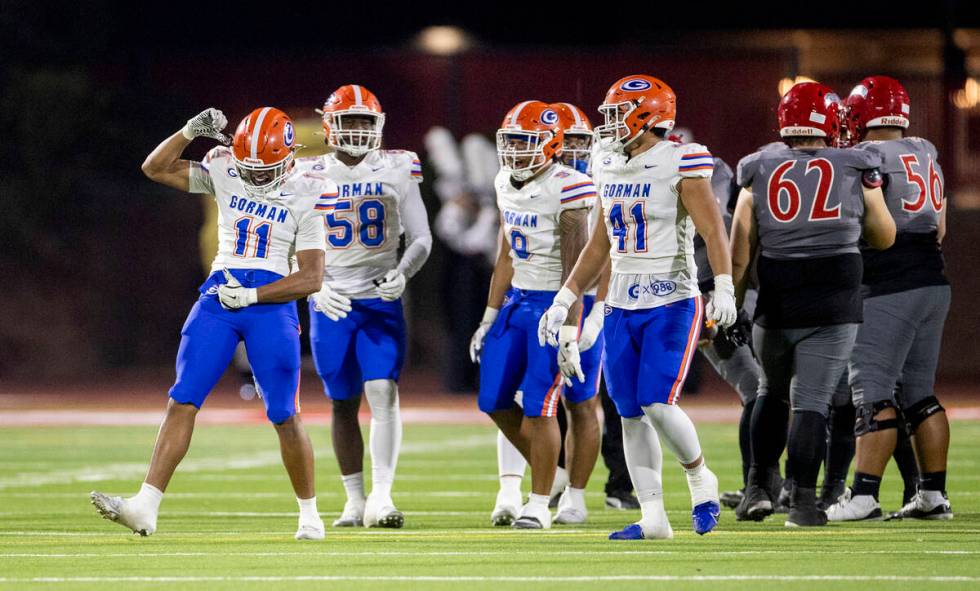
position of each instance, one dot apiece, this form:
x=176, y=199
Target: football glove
x=392, y=286
x=476, y=343
x=553, y=319
x=721, y=307
x=726, y=341
x=233, y=295
x=331, y=303
x=207, y=123
x=569, y=360
x=592, y=326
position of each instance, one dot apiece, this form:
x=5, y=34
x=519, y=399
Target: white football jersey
x=530, y=217
x=262, y=233
x=650, y=233
x=364, y=227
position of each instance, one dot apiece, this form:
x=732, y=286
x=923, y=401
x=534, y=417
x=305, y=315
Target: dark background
x=100, y=265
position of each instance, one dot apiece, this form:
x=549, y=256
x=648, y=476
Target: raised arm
x=164, y=164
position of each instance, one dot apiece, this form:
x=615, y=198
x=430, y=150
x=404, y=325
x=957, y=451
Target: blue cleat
x=632, y=531
x=705, y=517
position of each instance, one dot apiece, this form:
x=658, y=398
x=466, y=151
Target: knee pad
x=920, y=411
x=865, y=421
x=382, y=397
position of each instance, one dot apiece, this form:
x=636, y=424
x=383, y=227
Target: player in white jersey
x=543, y=208
x=357, y=323
x=654, y=193
x=267, y=213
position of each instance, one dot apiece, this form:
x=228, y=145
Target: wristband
x=489, y=315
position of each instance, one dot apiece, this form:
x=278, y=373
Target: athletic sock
x=677, y=430
x=148, y=497
x=511, y=484
x=745, y=439
x=866, y=484
x=840, y=443
x=652, y=509
x=904, y=456
x=644, y=459
x=576, y=496
x=354, y=485
x=769, y=418
x=535, y=499
x=933, y=481
x=510, y=463
x=386, y=433
x=807, y=440
x=560, y=481
x=307, y=510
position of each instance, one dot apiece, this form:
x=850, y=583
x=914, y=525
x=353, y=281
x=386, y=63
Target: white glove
x=392, y=286
x=721, y=307
x=331, y=303
x=207, y=123
x=592, y=326
x=569, y=360
x=476, y=343
x=233, y=296
x=554, y=318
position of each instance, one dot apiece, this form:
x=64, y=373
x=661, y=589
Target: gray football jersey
x=913, y=182
x=807, y=203
x=721, y=186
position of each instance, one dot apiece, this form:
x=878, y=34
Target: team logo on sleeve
x=232, y=173
x=287, y=134
x=549, y=117
x=635, y=84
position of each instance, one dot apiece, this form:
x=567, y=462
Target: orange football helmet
x=577, y=146
x=264, y=146
x=633, y=105
x=529, y=138
x=353, y=120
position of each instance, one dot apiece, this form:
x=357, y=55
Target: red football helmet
x=635, y=104
x=264, y=146
x=528, y=139
x=810, y=109
x=353, y=120
x=577, y=145
x=878, y=101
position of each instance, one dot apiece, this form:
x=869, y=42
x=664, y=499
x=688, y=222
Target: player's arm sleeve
x=310, y=234
x=199, y=175
x=745, y=171
x=695, y=162
x=579, y=192
x=418, y=237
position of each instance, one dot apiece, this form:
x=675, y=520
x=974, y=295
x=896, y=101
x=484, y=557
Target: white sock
x=644, y=459
x=560, y=482
x=307, y=510
x=676, y=428
x=576, y=497
x=542, y=500
x=510, y=462
x=652, y=511
x=386, y=433
x=354, y=485
x=148, y=497
x=510, y=485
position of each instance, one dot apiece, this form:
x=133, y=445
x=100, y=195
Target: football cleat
x=124, y=513
x=632, y=531
x=622, y=500
x=645, y=531
x=533, y=517
x=568, y=513
x=353, y=515
x=732, y=498
x=381, y=512
x=854, y=508
x=830, y=493
x=310, y=531
x=506, y=509
x=756, y=505
x=704, y=517
x=803, y=510
x=925, y=505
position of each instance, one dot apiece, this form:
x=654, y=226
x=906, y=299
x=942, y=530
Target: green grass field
x=229, y=516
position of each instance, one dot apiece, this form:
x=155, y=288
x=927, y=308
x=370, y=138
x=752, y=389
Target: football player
x=544, y=207
x=267, y=212
x=906, y=299
x=357, y=325
x=655, y=193
x=804, y=208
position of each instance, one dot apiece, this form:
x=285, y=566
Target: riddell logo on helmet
x=635, y=84
x=893, y=121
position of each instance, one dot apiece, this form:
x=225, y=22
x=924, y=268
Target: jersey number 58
x=368, y=224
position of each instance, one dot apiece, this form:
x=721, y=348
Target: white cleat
x=533, y=517
x=569, y=514
x=353, y=515
x=850, y=507
x=506, y=509
x=124, y=513
x=381, y=512
x=310, y=531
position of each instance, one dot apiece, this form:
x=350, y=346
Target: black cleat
x=623, y=500
x=756, y=504
x=830, y=493
x=803, y=511
x=921, y=508
x=732, y=498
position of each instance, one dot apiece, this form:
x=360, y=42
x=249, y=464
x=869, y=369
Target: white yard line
x=501, y=579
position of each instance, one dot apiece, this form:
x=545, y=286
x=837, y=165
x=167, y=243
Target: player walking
x=805, y=206
x=267, y=212
x=654, y=194
x=357, y=323
x=906, y=300
x=544, y=208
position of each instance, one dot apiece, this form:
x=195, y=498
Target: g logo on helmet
x=635, y=84
x=287, y=134
x=549, y=117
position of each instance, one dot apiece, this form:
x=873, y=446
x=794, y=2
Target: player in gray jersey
x=804, y=208
x=906, y=301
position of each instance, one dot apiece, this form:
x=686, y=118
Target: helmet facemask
x=521, y=153
x=260, y=178
x=577, y=150
x=614, y=128
x=354, y=131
